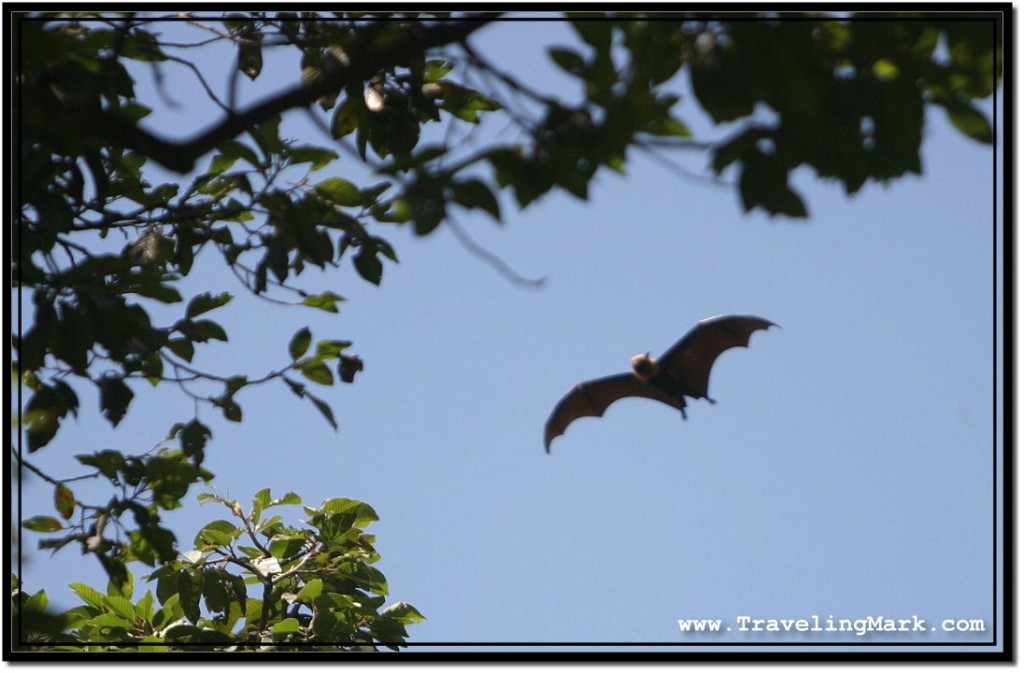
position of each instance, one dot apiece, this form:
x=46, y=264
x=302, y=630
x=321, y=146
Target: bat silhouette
x=683, y=371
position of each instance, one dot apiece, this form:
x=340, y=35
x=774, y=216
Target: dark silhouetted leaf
x=183, y=348
x=317, y=156
x=324, y=409
x=368, y=266
x=970, y=122
x=193, y=439
x=475, y=194
x=568, y=60
x=203, y=330
x=115, y=396
x=300, y=343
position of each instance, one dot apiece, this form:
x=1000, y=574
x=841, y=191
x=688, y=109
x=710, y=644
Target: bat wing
x=687, y=365
x=591, y=398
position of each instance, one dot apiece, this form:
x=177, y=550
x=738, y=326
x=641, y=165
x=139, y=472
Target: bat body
x=683, y=371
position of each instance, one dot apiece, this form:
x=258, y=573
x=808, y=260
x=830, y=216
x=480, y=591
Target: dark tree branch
x=372, y=51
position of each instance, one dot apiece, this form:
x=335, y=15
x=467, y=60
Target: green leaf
x=91, y=596
x=436, y=69
x=234, y=148
x=107, y=461
x=260, y=502
x=363, y=512
x=300, y=343
x=347, y=117
x=311, y=590
x=318, y=156
x=331, y=348
x=41, y=425
x=969, y=121
x=317, y=372
x=465, y=103
x=403, y=612
x=204, y=330
x=325, y=301
x=341, y=192
x=37, y=602
x=42, y=524
x=475, y=194
x=220, y=163
x=121, y=606
x=285, y=627
x=285, y=546
x=153, y=368
x=145, y=607
x=267, y=136
x=204, y=302
x=288, y=498
x=219, y=533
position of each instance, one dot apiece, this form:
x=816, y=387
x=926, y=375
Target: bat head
x=644, y=366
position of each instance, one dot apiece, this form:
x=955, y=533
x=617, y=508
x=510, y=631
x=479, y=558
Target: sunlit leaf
x=317, y=372
x=325, y=301
x=42, y=524
x=285, y=627
x=341, y=191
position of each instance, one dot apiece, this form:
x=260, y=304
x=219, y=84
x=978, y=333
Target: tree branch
x=372, y=51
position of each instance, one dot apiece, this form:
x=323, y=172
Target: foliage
x=104, y=238
x=315, y=587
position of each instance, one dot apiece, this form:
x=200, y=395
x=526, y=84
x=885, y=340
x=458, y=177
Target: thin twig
x=493, y=260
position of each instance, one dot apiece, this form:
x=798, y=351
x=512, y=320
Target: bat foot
x=710, y=400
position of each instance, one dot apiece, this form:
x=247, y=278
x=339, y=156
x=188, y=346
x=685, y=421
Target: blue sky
x=846, y=469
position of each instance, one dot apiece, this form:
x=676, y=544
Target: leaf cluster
x=251, y=582
x=844, y=97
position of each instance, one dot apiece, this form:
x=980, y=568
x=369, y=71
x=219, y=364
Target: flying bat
x=682, y=372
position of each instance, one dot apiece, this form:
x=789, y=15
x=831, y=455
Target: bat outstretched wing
x=591, y=398
x=687, y=365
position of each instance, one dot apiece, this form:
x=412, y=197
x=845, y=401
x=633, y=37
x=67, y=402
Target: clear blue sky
x=846, y=469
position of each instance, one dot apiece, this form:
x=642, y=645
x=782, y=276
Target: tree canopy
x=103, y=237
